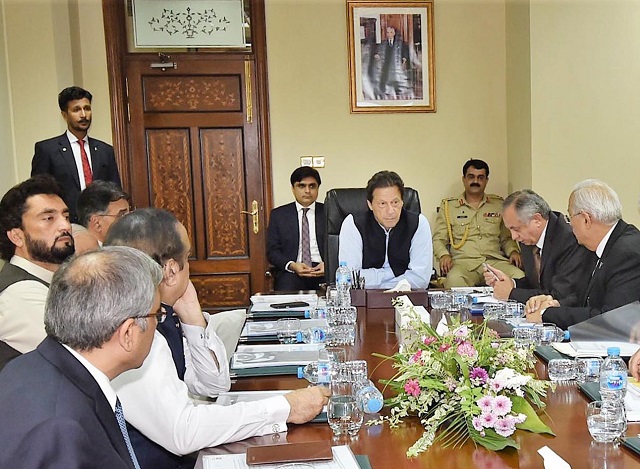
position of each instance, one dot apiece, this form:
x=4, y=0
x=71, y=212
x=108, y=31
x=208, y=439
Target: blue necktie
x=125, y=433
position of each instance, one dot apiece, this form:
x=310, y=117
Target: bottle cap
x=307, y=314
x=567, y=335
x=299, y=337
x=374, y=405
x=343, y=263
x=300, y=372
x=615, y=351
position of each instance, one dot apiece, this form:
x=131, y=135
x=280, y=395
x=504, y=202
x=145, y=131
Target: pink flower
x=505, y=427
x=479, y=375
x=429, y=340
x=501, y=405
x=412, y=387
x=485, y=403
x=466, y=349
x=496, y=385
x=451, y=384
x=415, y=358
x=477, y=423
x=488, y=420
x=462, y=331
x=444, y=348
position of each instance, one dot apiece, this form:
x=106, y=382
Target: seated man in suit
x=164, y=423
x=388, y=243
x=469, y=232
x=35, y=238
x=73, y=158
x=554, y=263
x=295, y=239
x=57, y=404
x=595, y=214
x=100, y=205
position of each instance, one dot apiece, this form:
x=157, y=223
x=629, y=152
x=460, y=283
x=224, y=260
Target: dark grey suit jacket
x=283, y=235
x=565, y=266
x=615, y=281
x=55, y=416
x=54, y=156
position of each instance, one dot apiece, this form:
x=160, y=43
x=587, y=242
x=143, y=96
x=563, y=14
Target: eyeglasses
x=117, y=216
x=160, y=316
x=568, y=217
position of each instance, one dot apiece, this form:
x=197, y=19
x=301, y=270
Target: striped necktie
x=125, y=434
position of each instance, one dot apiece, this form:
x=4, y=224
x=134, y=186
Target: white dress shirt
x=420, y=256
x=22, y=308
x=75, y=148
x=157, y=403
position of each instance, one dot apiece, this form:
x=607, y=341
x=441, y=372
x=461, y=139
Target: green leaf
x=492, y=441
x=533, y=422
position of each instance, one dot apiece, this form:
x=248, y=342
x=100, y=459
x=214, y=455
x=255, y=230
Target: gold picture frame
x=391, y=56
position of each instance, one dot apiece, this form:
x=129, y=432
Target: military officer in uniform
x=469, y=232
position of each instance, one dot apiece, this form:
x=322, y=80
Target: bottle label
x=324, y=373
x=616, y=381
x=318, y=334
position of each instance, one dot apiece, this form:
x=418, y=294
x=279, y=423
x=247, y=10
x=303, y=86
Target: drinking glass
x=288, y=329
x=525, y=337
x=514, y=309
x=493, y=311
x=606, y=420
x=336, y=354
x=549, y=333
x=561, y=369
x=344, y=416
x=588, y=368
x=440, y=301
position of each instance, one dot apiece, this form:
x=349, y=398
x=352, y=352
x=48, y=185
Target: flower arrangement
x=466, y=382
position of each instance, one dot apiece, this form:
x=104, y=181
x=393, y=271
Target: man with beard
x=35, y=238
x=74, y=159
x=469, y=232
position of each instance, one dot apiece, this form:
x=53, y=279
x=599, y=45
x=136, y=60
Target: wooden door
x=195, y=151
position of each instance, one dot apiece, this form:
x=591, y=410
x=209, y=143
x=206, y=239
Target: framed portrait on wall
x=391, y=56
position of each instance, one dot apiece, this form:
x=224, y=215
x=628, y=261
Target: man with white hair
x=595, y=214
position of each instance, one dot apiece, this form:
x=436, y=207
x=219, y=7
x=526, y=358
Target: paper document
x=258, y=356
x=594, y=349
x=308, y=297
x=267, y=328
x=343, y=458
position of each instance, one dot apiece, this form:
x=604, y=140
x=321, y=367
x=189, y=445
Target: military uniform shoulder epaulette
x=494, y=196
x=448, y=199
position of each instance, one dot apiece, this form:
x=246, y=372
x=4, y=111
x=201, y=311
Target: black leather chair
x=339, y=203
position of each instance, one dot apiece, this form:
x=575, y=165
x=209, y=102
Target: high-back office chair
x=339, y=203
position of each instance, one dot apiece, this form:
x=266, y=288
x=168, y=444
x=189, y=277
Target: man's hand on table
x=306, y=403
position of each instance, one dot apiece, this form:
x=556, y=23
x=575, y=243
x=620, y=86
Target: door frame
x=116, y=48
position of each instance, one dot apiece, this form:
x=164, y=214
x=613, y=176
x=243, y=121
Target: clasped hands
x=303, y=270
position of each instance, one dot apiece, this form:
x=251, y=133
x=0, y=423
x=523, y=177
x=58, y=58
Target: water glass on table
x=287, y=330
x=588, y=369
x=493, y=311
x=561, y=369
x=343, y=413
x=606, y=420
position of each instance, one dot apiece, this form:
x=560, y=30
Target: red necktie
x=86, y=167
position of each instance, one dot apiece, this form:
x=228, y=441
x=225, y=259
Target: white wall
x=585, y=119
x=309, y=102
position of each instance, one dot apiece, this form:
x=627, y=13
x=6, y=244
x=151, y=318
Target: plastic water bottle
x=343, y=284
x=313, y=335
x=368, y=398
x=341, y=334
x=613, y=376
x=315, y=313
x=317, y=372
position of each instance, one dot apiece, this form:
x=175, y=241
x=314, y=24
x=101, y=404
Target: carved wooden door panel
x=195, y=151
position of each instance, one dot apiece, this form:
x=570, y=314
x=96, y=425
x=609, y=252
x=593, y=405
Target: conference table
x=386, y=447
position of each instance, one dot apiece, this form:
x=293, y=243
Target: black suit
x=564, y=269
x=615, y=281
x=55, y=416
x=55, y=156
x=283, y=241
